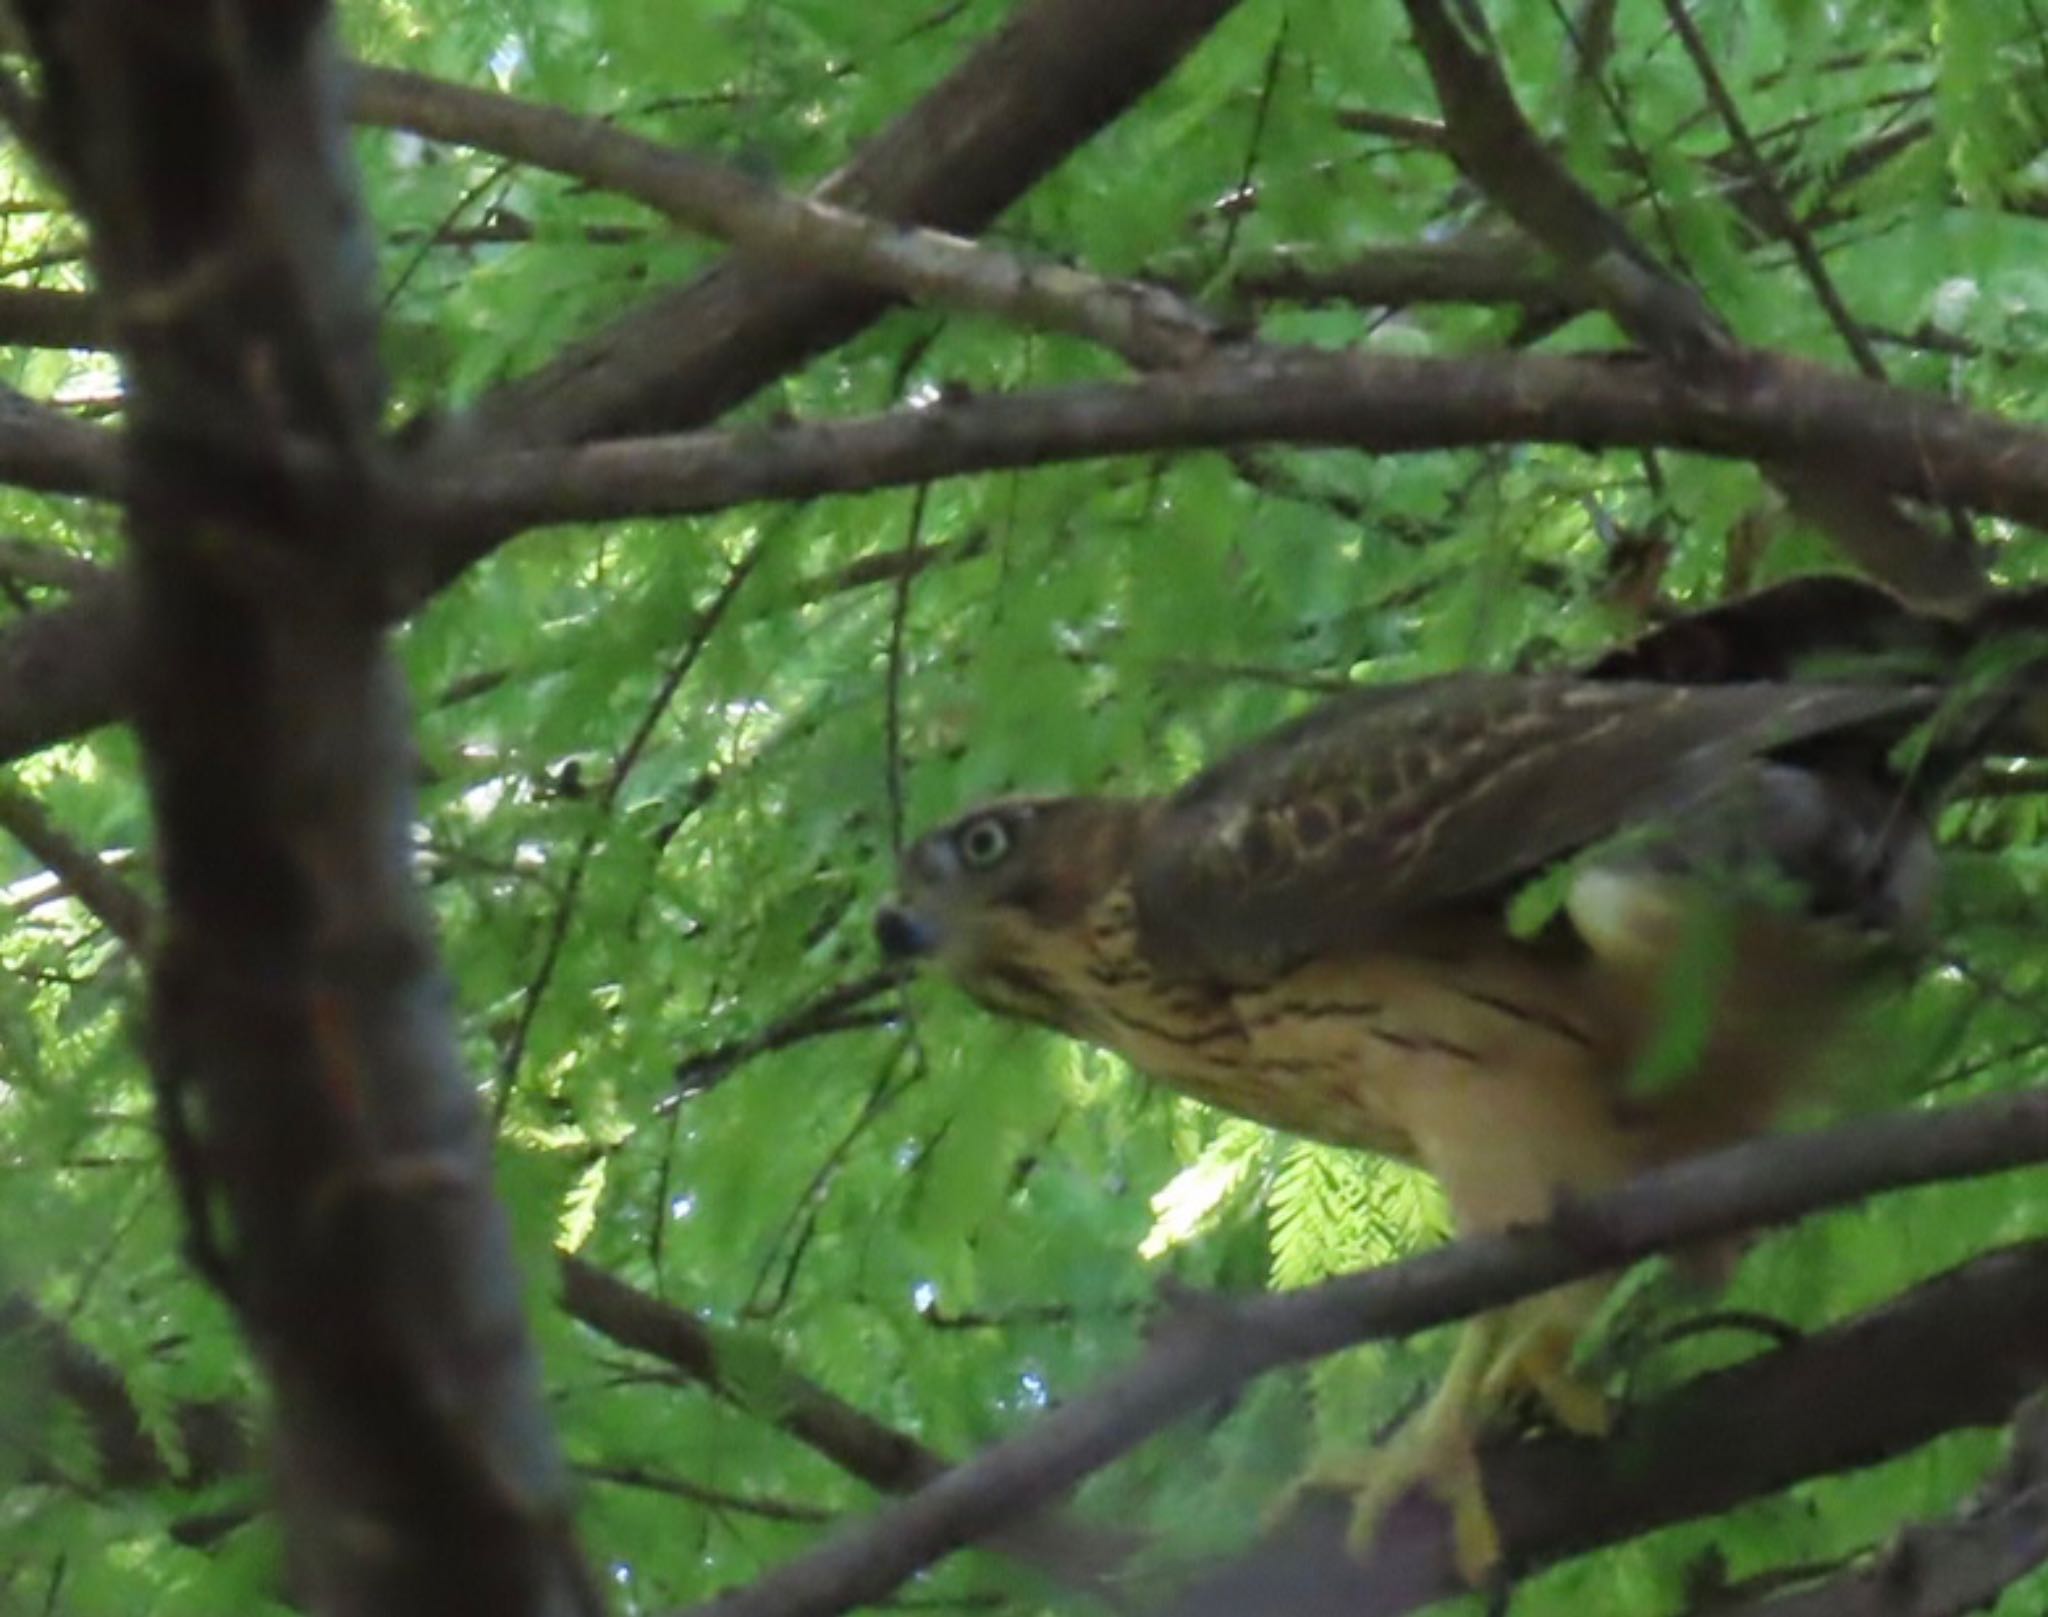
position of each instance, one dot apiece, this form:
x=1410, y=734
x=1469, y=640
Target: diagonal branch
x=1769, y=200
x=563, y=918
x=844, y=1007
x=1495, y=145
x=890, y=1461
x=129, y=1456
x=1948, y=1568
x=1959, y=1350
x=103, y=894
x=1041, y=86
x=808, y=235
x=1215, y=1348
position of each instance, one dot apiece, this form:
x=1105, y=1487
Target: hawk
x=1320, y=933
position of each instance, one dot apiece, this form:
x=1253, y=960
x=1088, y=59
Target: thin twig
x=579, y=861
x=801, y=1221
x=1769, y=198
x=892, y=688
x=662, y=1482
x=841, y=1008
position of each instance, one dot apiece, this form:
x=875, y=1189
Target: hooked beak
x=903, y=934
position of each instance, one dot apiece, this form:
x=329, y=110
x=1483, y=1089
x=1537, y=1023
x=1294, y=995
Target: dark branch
x=47, y=317
x=321, y=1129
x=838, y=1009
x=1477, y=267
x=52, y=454
x=62, y=671
x=112, y=901
x=1496, y=146
x=210, y=1434
x=1947, y=1568
x=887, y=1460
x=1960, y=1350
x=1049, y=79
x=704, y=626
x=1046, y=82
x=1762, y=408
x=716, y=1499
x=1217, y=1347
x=46, y=566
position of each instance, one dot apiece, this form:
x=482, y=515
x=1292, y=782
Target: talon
x=1439, y=1457
x=1475, y=1536
x=1435, y=1451
x=1525, y=1348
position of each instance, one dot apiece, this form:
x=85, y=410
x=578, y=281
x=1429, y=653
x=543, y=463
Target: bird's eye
x=983, y=843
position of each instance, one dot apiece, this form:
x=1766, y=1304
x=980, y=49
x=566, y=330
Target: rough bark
x=326, y=1139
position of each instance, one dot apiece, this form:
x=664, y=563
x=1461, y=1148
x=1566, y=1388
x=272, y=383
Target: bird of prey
x=1316, y=933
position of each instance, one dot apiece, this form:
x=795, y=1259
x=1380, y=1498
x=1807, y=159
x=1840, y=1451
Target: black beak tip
x=902, y=935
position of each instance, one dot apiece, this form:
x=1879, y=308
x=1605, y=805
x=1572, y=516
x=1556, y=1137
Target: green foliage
x=1335, y=1210
x=951, y=1224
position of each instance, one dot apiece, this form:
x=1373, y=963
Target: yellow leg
x=1437, y=1450
x=1524, y=1348
x=1536, y=1355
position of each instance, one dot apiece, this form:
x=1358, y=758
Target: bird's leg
x=1523, y=1349
x=1536, y=1355
x=1434, y=1449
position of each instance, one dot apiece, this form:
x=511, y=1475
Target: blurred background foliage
x=951, y=1223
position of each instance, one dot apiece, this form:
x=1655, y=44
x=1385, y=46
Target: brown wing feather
x=1389, y=802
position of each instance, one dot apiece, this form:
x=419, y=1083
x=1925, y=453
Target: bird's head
x=1001, y=899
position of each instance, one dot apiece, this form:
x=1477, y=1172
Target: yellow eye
x=983, y=843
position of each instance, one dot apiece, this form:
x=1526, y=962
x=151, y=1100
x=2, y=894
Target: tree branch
x=46, y=566
x=1949, y=1568
x=887, y=1460
x=807, y=235
x=52, y=454
x=840, y=1008
x=1763, y=407
x=1216, y=1347
x=320, y=1126
x=1479, y=266
x=1769, y=201
x=48, y=317
x=210, y=1434
x=61, y=671
x=1496, y=146
x=103, y=894
x=1047, y=80
x=64, y=670
x=1959, y=1350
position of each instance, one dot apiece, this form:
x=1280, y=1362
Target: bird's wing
x=1388, y=804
